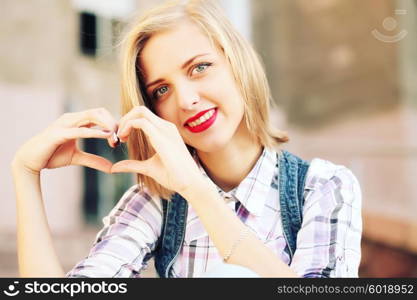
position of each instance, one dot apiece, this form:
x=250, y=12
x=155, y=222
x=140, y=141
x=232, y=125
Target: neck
x=228, y=166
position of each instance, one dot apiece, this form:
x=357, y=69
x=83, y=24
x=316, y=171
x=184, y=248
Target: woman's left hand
x=172, y=165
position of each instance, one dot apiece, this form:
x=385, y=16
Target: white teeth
x=202, y=119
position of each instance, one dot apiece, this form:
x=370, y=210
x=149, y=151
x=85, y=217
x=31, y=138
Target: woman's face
x=186, y=77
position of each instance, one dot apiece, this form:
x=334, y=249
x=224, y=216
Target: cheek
x=166, y=112
x=161, y=111
x=227, y=89
x=231, y=99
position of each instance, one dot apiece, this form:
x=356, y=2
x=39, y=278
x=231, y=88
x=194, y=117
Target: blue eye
x=201, y=67
x=160, y=91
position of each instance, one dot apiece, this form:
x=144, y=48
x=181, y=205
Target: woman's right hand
x=56, y=146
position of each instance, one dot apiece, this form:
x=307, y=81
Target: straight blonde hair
x=244, y=61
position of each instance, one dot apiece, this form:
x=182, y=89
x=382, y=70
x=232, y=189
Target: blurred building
x=343, y=75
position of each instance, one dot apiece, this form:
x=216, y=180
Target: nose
x=186, y=96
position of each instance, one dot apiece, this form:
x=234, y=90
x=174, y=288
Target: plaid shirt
x=328, y=243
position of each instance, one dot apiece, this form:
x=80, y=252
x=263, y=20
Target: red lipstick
x=197, y=116
x=203, y=126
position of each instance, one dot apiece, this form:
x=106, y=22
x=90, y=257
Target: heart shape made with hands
x=171, y=165
x=107, y=162
x=172, y=172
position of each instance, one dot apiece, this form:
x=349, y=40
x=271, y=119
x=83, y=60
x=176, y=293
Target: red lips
x=203, y=126
x=197, y=116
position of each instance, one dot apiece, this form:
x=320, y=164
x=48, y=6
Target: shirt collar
x=253, y=190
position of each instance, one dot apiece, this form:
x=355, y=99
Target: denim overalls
x=292, y=175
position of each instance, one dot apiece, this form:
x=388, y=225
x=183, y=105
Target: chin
x=210, y=145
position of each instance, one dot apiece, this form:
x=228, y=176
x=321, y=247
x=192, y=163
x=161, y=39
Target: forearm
x=36, y=253
x=224, y=228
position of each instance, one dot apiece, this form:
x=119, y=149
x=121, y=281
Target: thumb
x=131, y=166
x=81, y=158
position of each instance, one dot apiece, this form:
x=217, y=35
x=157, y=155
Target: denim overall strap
x=292, y=176
x=172, y=235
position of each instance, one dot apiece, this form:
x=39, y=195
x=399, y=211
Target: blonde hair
x=246, y=66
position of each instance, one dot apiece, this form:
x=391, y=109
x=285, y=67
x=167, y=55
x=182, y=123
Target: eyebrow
x=188, y=62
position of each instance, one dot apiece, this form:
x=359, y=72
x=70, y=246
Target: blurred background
x=344, y=79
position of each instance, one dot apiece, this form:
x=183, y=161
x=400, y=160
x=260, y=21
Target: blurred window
x=88, y=35
x=101, y=22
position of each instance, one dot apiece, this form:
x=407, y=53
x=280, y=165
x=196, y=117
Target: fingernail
x=116, y=139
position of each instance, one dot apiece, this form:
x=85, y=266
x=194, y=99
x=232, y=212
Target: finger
x=81, y=158
x=83, y=132
x=141, y=112
x=106, y=118
x=99, y=116
x=131, y=166
x=148, y=128
x=113, y=140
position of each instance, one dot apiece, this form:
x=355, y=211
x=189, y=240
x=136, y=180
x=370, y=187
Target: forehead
x=167, y=50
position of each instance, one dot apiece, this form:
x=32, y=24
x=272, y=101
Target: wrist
x=195, y=189
x=18, y=170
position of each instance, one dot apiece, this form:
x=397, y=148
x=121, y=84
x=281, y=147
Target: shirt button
x=228, y=199
x=227, y=196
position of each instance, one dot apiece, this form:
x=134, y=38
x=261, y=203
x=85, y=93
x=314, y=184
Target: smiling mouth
x=203, y=122
x=201, y=119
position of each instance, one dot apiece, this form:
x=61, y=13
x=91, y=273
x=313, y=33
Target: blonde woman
x=216, y=194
